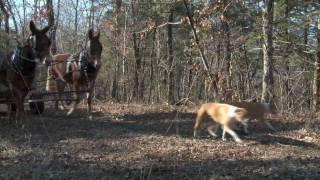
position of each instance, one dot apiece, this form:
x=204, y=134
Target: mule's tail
x=51, y=82
x=201, y=112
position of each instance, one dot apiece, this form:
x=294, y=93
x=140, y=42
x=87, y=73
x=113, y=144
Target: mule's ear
x=46, y=29
x=90, y=34
x=98, y=35
x=33, y=28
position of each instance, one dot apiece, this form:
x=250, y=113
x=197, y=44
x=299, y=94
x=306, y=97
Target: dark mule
x=18, y=68
x=80, y=70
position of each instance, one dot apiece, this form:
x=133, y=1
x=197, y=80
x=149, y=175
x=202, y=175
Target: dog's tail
x=51, y=82
x=201, y=112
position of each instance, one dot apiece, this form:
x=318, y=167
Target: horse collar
x=83, y=60
x=32, y=41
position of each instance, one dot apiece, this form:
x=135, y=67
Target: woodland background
x=181, y=52
x=161, y=51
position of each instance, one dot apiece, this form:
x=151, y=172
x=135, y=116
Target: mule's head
x=40, y=43
x=95, y=49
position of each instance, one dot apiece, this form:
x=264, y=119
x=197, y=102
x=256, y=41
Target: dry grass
x=154, y=142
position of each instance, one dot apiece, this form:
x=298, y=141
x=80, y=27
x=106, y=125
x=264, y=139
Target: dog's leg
x=210, y=130
x=223, y=134
x=232, y=133
x=245, y=126
x=269, y=125
x=200, y=114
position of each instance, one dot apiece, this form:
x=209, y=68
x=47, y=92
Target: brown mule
x=18, y=68
x=80, y=70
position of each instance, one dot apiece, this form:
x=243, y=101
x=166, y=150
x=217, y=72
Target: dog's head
x=270, y=108
x=241, y=114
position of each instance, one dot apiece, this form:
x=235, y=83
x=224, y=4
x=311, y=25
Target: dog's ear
x=34, y=30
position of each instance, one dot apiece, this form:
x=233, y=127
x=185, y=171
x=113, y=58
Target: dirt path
x=152, y=142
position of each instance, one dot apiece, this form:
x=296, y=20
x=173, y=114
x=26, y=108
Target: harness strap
x=71, y=60
x=80, y=60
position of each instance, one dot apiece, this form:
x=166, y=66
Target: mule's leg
x=17, y=103
x=19, y=108
x=12, y=111
x=89, y=97
x=60, y=87
x=75, y=89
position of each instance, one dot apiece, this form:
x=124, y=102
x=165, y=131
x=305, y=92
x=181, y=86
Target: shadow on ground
x=55, y=126
x=52, y=146
x=66, y=166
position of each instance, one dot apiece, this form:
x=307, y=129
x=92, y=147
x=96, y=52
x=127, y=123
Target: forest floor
x=154, y=142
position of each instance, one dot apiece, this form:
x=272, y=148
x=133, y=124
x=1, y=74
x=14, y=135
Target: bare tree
x=9, y=7
x=212, y=77
x=316, y=77
x=267, y=84
x=286, y=55
x=76, y=24
x=170, y=62
x=51, y=23
x=6, y=16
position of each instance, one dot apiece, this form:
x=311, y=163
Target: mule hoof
x=70, y=112
x=61, y=108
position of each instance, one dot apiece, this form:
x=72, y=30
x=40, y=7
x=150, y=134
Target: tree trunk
x=285, y=57
x=75, y=40
x=267, y=84
x=13, y=18
x=203, y=57
x=51, y=23
x=316, y=77
x=306, y=88
x=159, y=81
x=6, y=16
x=151, y=88
x=124, y=52
x=170, y=99
x=115, y=86
x=91, y=15
x=227, y=53
x=138, y=66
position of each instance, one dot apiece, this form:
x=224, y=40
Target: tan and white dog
x=256, y=110
x=223, y=114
